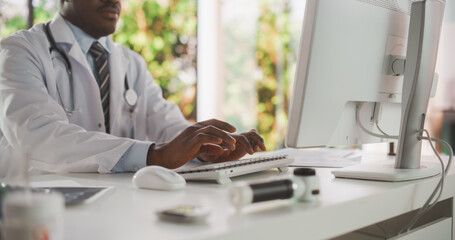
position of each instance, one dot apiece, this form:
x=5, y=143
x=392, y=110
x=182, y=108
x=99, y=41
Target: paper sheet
x=325, y=157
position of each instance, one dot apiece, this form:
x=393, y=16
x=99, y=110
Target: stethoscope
x=129, y=95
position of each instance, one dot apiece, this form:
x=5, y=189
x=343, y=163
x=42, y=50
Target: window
x=246, y=63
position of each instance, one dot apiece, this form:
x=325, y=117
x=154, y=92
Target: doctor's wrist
x=152, y=155
x=161, y=155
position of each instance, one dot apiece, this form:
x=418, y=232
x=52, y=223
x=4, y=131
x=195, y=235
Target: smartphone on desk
x=184, y=214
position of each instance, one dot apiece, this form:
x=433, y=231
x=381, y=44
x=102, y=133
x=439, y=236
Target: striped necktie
x=102, y=68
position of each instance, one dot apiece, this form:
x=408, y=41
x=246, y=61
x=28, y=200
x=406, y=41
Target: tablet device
x=77, y=195
x=72, y=195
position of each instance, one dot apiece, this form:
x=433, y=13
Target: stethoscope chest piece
x=131, y=97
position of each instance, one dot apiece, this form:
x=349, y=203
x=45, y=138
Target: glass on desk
x=31, y=215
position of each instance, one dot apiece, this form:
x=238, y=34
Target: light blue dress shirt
x=136, y=156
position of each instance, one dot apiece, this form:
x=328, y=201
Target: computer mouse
x=158, y=178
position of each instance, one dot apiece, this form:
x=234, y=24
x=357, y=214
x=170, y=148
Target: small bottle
x=311, y=183
x=303, y=187
x=242, y=193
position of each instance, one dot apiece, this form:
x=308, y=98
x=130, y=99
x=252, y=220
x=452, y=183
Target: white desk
x=344, y=206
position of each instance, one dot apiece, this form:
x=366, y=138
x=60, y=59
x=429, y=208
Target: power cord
x=439, y=187
x=427, y=206
x=357, y=118
x=379, y=128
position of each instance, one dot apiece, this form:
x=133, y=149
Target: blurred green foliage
x=258, y=66
x=10, y=22
x=272, y=54
x=164, y=33
x=12, y=25
x=14, y=18
x=44, y=11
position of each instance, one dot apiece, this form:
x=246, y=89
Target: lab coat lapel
x=63, y=34
x=118, y=66
x=83, y=74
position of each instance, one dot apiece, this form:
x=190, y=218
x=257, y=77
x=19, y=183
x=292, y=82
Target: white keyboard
x=222, y=172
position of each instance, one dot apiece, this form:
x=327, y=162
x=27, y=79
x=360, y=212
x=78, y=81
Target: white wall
x=445, y=67
x=208, y=60
x=445, y=97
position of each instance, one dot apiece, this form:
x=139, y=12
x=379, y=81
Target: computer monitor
x=365, y=71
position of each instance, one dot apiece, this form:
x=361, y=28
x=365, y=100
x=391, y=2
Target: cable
x=357, y=110
x=448, y=148
x=440, y=141
x=440, y=186
x=443, y=172
x=377, y=126
x=372, y=235
x=386, y=234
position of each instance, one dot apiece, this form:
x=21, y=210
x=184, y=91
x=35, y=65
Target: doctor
x=78, y=102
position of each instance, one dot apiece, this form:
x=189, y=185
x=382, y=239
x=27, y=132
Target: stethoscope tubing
x=69, y=70
x=130, y=95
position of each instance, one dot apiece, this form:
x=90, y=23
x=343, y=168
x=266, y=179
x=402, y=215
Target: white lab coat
x=33, y=120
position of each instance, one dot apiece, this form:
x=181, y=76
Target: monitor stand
x=385, y=171
x=424, y=28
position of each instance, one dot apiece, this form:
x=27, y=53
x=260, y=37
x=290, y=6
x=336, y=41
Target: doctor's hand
x=248, y=142
x=211, y=136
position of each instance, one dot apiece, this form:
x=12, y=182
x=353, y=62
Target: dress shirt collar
x=84, y=40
